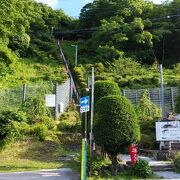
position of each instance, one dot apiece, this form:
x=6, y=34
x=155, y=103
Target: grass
x=120, y=176
x=30, y=154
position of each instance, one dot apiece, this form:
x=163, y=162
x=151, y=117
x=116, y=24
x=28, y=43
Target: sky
x=73, y=7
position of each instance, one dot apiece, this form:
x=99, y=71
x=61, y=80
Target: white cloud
x=52, y=3
x=159, y=1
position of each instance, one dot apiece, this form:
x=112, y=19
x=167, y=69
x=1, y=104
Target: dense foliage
x=116, y=125
x=105, y=88
x=148, y=135
x=146, y=110
x=13, y=124
x=177, y=108
x=177, y=163
x=28, y=54
x=28, y=51
x=141, y=169
x=137, y=28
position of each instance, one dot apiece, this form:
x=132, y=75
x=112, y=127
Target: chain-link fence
x=170, y=95
x=13, y=98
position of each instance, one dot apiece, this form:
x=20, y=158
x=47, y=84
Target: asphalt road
x=60, y=174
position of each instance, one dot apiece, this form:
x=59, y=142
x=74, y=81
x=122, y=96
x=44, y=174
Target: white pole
x=162, y=92
x=92, y=111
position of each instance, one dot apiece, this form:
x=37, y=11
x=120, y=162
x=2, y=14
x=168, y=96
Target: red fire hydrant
x=133, y=153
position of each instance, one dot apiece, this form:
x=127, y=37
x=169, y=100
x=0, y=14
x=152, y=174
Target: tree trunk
x=114, y=167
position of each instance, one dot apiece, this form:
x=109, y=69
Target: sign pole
x=84, y=108
x=92, y=111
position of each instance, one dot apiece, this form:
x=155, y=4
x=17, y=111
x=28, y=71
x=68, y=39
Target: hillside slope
x=28, y=52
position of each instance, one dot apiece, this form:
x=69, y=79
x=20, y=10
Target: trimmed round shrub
x=141, y=169
x=116, y=125
x=105, y=88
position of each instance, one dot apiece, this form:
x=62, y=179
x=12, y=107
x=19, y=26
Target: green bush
x=70, y=121
x=6, y=118
x=148, y=135
x=146, y=110
x=40, y=131
x=105, y=88
x=12, y=126
x=141, y=169
x=47, y=121
x=94, y=165
x=35, y=106
x=177, y=108
x=116, y=125
x=177, y=163
x=18, y=130
x=69, y=126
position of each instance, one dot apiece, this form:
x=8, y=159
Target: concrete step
x=163, y=167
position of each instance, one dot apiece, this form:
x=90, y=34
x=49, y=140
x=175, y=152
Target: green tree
x=116, y=126
x=177, y=108
x=146, y=110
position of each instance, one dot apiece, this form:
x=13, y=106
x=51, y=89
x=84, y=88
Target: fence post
x=24, y=92
x=149, y=94
x=71, y=88
x=124, y=92
x=172, y=99
x=136, y=96
x=56, y=101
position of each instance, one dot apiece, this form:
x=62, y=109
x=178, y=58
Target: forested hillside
x=28, y=52
x=132, y=28
x=130, y=38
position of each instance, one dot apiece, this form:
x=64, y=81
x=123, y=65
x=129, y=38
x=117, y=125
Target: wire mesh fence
x=13, y=98
x=170, y=95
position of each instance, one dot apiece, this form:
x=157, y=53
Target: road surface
x=58, y=174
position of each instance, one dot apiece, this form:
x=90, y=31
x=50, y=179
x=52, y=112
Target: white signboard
x=168, y=131
x=50, y=100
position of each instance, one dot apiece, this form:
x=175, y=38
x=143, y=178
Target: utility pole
x=76, y=53
x=92, y=111
x=162, y=92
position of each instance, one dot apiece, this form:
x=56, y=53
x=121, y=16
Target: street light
x=76, y=46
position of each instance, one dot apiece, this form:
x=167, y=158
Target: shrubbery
x=45, y=120
x=177, y=163
x=40, y=131
x=105, y=88
x=115, y=126
x=177, y=108
x=148, y=135
x=141, y=169
x=146, y=110
x=12, y=126
x=94, y=165
x=70, y=121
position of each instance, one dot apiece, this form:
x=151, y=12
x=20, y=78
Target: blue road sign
x=84, y=101
x=84, y=104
